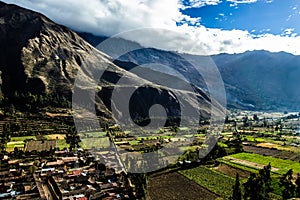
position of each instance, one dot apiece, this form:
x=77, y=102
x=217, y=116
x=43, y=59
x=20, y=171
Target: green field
x=282, y=165
x=88, y=143
x=211, y=180
x=253, y=139
x=22, y=138
x=17, y=142
x=93, y=134
x=61, y=144
x=11, y=145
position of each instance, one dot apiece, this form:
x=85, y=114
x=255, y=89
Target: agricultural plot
x=232, y=171
x=18, y=142
x=282, y=165
x=175, y=186
x=89, y=143
x=11, y=145
x=35, y=145
x=273, y=152
x=55, y=136
x=92, y=134
x=214, y=181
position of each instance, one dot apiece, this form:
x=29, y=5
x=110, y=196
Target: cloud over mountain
x=105, y=17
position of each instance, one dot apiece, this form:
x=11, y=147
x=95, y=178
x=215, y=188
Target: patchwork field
x=215, y=181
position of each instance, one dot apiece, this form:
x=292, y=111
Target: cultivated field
x=174, y=186
x=213, y=180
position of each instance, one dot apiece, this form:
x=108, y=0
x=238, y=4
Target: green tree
x=258, y=186
x=297, y=182
x=286, y=181
x=250, y=187
x=5, y=137
x=72, y=138
x=236, y=142
x=237, y=193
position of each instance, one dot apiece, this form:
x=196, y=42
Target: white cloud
x=235, y=3
x=242, y=1
x=200, y=3
x=108, y=17
x=289, y=32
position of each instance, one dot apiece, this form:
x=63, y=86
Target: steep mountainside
x=40, y=60
x=257, y=80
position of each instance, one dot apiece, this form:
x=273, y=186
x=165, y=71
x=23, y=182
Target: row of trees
x=29, y=101
x=259, y=186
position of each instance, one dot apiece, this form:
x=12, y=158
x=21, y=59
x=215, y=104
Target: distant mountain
x=256, y=80
x=268, y=80
x=39, y=62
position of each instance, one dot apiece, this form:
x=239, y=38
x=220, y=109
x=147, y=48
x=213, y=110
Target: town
x=48, y=162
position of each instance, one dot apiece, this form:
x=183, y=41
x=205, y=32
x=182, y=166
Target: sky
x=203, y=27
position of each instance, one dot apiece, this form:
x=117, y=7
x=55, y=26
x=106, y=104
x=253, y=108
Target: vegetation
x=237, y=193
x=281, y=164
x=210, y=179
x=258, y=186
x=72, y=138
x=286, y=182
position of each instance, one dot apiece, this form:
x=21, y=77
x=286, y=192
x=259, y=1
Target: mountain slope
x=40, y=60
x=258, y=80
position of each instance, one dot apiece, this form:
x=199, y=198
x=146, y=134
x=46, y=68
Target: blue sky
x=204, y=27
x=258, y=18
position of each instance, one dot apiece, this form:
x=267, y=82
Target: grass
x=22, y=138
x=275, y=182
x=253, y=139
x=134, y=142
x=95, y=134
x=148, y=138
x=239, y=166
x=17, y=142
x=212, y=180
x=11, y=145
x=88, y=143
x=221, y=144
x=281, y=164
x=61, y=144
x=184, y=128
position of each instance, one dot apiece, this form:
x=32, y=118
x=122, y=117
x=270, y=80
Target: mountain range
x=254, y=80
x=40, y=61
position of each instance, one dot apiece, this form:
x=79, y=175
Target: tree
x=258, y=186
x=250, y=187
x=245, y=121
x=297, y=182
x=286, y=181
x=72, y=138
x=5, y=137
x=237, y=193
x=255, y=117
x=236, y=142
x=226, y=120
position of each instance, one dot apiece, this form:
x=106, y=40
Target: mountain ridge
x=255, y=80
x=40, y=61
